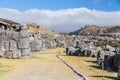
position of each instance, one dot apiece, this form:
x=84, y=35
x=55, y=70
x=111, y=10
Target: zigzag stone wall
x=18, y=43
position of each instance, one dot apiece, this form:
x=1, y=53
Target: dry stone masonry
x=13, y=43
x=18, y=41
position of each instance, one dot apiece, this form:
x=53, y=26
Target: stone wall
x=14, y=44
x=19, y=42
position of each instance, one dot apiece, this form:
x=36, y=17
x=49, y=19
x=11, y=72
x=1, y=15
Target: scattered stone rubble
x=109, y=56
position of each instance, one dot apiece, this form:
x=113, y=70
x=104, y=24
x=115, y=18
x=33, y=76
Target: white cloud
x=62, y=20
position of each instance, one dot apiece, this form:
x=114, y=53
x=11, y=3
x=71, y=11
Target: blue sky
x=22, y=5
x=62, y=15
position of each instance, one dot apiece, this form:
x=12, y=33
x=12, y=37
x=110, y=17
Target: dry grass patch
x=85, y=65
x=7, y=66
x=88, y=67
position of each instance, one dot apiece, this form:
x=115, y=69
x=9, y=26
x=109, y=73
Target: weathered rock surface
x=13, y=45
x=24, y=34
x=36, y=45
x=8, y=54
x=15, y=36
x=16, y=54
x=23, y=43
x=1, y=53
x=17, y=41
x=25, y=52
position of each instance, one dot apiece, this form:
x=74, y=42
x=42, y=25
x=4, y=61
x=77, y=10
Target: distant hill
x=44, y=31
x=96, y=30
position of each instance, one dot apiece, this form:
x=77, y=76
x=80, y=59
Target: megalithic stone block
x=8, y=54
x=31, y=39
x=116, y=61
x=13, y=45
x=43, y=47
x=6, y=45
x=25, y=52
x=16, y=54
x=39, y=36
x=15, y=36
x=8, y=35
x=35, y=48
x=1, y=43
x=2, y=32
x=24, y=33
x=36, y=45
x=47, y=43
x=1, y=53
x=36, y=42
x=1, y=37
x=23, y=43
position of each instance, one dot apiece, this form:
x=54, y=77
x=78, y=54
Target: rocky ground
x=44, y=66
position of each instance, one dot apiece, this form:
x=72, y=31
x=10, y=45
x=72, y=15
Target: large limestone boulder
x=31, y=39
x=43, y=46
x=24, y=34
x=1, y=53
x=35, y=48
x=8, y=54
x=72, y=51
x=23, y=43
x=116, y=60
x=2, y=35
x=13, y=45
x=16, y=54
x=6, y=45
x=2, y=32
x=25, y=52
x=36, y=42
x=15, y=36
x=36, y=45
x=8, y=35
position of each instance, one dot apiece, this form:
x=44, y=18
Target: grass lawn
x=7, y=66
x=84, y=65
x=88, y=67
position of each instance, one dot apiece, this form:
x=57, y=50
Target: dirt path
x=42, y=67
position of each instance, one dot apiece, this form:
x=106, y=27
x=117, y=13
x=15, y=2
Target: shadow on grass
x=98, y=67
x=95, y=62
x=94, y=66
x=108, y=77
x=62, y=55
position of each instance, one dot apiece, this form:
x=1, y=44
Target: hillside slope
x=96, y=30
x=44, y=31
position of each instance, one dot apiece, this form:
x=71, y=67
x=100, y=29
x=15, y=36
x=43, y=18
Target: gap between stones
x=70, y=67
